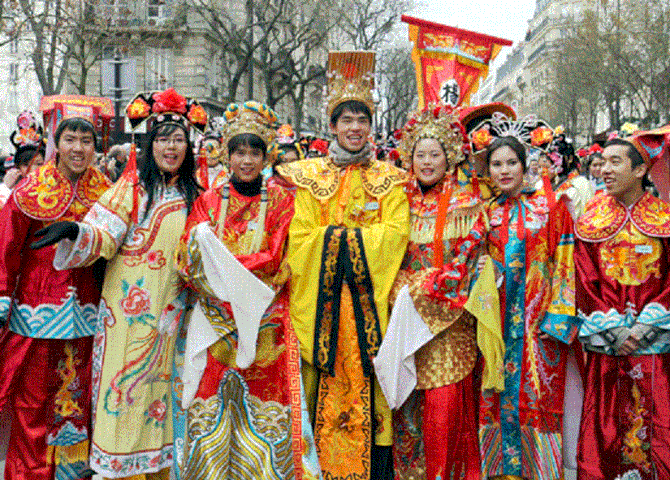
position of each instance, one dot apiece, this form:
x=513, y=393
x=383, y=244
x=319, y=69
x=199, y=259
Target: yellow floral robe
x=132, y=410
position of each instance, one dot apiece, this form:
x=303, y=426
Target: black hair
x=150, y=175
x=24, y=155
x=635, y=157
x=247, y=140
x=76, y=125
x=511, y=142
x=354, y=106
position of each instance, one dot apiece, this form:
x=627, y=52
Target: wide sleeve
x=15, y=229
x=383, y=247
x=560, y=321
x=315, y=258
x=451, y=282
x=103, y=230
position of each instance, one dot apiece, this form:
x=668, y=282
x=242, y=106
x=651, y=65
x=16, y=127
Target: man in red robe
x=50, y=316
x=622, y=259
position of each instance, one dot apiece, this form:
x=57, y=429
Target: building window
x=13, y=73
x=157, y=9
x=14, y=46
x=158, y=68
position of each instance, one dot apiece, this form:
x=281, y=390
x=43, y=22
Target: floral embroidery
x=156, y=412
x=136, y=303
x=156, y=260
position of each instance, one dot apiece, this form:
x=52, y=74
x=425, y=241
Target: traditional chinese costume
x=436, y=428
x=346, y=242
x=623, y=288
x=133, y=352
x=45, y=369
x=531, y=243
x=245, y=416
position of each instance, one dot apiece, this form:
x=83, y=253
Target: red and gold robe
x=261, y=404
x=623, y=288
x=436, y=428
x=45, y=370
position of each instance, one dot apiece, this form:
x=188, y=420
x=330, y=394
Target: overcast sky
x=499, y=18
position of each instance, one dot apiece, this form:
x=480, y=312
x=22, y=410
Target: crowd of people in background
x=469, y=297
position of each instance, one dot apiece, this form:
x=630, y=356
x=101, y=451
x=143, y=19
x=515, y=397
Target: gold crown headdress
x=351, y=76
x=440, y=123
x=250, y=117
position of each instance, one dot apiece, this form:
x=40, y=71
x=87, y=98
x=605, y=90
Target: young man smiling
x=45, y=369
x=623, y=295
x=346, y=242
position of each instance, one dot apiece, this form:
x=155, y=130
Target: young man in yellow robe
x=346, y=242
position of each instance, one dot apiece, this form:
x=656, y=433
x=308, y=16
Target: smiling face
x=506, y=171
x=429, y=162
x=246, y=162
x=76, y=150
x=621, y=179
x=169, y=150
x=352, y=130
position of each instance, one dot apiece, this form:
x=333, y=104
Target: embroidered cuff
x=655, y=315
x=73, y=254
x=4, y=309
x=562, y=327
x=598, y=321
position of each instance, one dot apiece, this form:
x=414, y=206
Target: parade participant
x=45, y=369
x=211, y=148
x=436, y=429
x=254, y=385
x=623, y=296
x=346, y=242
x=29, y=155
x=531, y=244
x=134, y=226
x=595, y=163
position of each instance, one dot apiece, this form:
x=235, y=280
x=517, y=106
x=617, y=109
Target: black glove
x=55, y=233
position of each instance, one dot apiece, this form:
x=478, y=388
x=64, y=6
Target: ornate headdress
x=351, y=76
x=286, y=137
x=166, y=107
x=250, y=117
x=530, y=130
x=28, y=133
x=440, y=123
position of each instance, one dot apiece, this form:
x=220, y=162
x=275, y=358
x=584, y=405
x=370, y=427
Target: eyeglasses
x=165, y=141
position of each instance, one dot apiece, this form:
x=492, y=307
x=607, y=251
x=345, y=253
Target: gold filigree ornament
x=250, y=117
x=351, y=76
x=441, y=123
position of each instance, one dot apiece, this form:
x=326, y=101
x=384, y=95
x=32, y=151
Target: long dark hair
x=151, y=175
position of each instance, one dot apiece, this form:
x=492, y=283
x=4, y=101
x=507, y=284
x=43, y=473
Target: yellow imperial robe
x=346, y=242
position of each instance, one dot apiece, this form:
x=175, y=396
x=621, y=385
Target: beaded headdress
x=529, y=130
x=166, y=107
x=351, y=76
x=28, y=133
x=440, y=123
x=250, y=117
